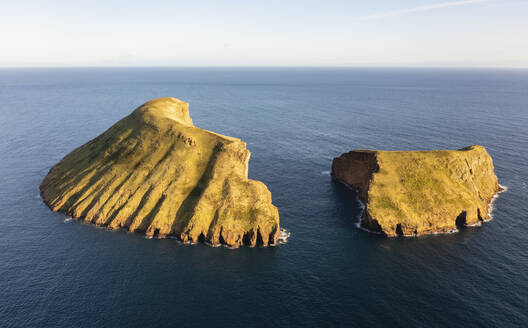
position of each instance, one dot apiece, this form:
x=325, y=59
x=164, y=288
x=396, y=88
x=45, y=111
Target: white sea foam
x=491, y=205
x=283, y=236
x=67, y=220
x=362, y=207
x=455, y=230
x=491, y=208
x=325, y=172
x=358, y=225
x=176, y=239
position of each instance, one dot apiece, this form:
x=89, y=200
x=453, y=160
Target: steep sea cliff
x=413, y=193
x=157, y=173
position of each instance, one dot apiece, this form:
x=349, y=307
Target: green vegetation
x=420, y=192
x=154, y=171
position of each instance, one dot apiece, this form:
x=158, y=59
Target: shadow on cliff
x=347, y=205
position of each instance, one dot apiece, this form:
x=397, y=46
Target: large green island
x=155, y=172
x=412, y=193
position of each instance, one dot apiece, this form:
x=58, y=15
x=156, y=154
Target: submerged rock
x=155, y=172
x=420, y=192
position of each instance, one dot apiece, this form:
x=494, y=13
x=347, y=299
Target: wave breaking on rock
x=412, y=193
x=155, y=172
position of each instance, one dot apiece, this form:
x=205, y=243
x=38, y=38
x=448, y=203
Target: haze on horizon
x=438, y=33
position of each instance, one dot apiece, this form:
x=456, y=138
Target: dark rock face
x=356, y=168
x=420, y=192
x=155, y=172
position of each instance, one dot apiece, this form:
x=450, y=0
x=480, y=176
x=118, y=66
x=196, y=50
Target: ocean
x=58, y=272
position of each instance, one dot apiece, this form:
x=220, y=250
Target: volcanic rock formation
x=420, y=192
x=155, y=172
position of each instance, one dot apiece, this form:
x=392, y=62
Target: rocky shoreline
x=155, y=173
x=412, y=193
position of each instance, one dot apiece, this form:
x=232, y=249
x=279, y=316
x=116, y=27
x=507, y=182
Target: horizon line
x=274, y=66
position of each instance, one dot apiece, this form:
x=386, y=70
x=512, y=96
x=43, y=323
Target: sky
x=407, y=33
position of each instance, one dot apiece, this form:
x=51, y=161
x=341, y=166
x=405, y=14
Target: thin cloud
x=423, y=8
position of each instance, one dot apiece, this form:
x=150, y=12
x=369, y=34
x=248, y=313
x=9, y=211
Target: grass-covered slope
x=420, y=192
x=155, y=172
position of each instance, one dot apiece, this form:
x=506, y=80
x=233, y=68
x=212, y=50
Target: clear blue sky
x=264, y=33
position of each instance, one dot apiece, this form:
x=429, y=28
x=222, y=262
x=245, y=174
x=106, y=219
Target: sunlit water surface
x=61, y=273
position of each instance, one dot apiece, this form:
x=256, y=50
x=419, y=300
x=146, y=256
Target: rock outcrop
x=413, y=193
x=155, y=172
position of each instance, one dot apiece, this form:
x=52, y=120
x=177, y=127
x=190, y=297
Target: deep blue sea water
x=60, y=273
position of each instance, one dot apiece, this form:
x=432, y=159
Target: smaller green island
x=412, y=193
x=155, y=172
